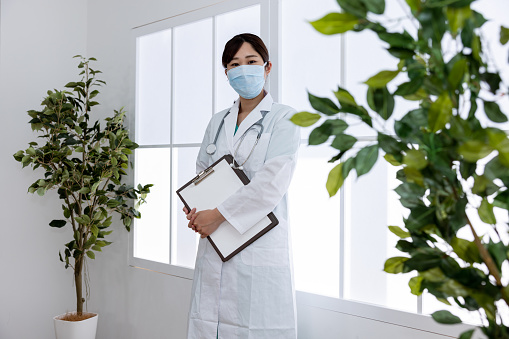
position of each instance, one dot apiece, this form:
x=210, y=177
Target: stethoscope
x=211, y=148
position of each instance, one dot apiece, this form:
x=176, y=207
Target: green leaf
x=41, y=191
x=381, y=101
x=480, y=184
x=98, y=216
x=457, y=73
x=410, y=87
x=348, y=165
x=390, y=144
x=499, y=252
x=395, y=265
x=84, y=190
x=399, y=40
x=79, y=149
x=415, y=285
x=375, y=6
x=410, y=194
x=95, y=186
x=504, y=35
x=493, y=112
x=335, y=180
x=457, y=17
x=476, y=48
x=486, y=212
x=492, y=79
x=358, y=111
x=445, y=317
x=415, y=159
x=467, y=334
x=324, y=105
x=319, y=135
x=90, y=254
x=414, y=5
x=423, y=261
x=305, y=119
x=30, y=150
x=344, y=97
x=391, y=159
x=57, y=223
x=95, y=230
x=78, y=129
x=440, y=112
x=474, y=150
x=330, y=127
x=413, y=175
x=399, y=232
x=434, y=274
x=343, y=142
x=478, y=18
x=335, y=23
x=381, y=79
x=366, y=159
x=466, y=250
x=356, y=8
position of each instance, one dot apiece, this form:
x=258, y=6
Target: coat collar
x=254, y=116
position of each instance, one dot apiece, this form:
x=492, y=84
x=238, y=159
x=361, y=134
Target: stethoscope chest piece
x=211, y=149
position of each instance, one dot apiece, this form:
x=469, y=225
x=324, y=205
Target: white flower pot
x=85, y=329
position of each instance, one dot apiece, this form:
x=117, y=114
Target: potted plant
x=85, y=163
x=448, y=159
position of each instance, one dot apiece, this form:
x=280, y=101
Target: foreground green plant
x=447, y=159
x=85, y=163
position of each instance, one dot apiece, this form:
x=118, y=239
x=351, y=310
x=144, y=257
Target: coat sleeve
x=270, y=183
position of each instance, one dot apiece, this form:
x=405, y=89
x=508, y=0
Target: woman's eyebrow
x=247, y=56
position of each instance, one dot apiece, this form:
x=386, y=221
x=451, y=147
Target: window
x=178, y=62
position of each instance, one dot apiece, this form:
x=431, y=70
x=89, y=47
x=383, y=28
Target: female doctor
x=252, y=295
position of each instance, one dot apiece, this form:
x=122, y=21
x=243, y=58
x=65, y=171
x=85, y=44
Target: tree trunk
x=78, y=282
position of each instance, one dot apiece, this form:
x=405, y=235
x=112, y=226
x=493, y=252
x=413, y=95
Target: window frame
x=269, y=14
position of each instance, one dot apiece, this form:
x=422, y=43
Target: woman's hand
x=204, y=222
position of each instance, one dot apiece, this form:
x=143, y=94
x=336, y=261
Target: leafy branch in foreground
x=448, y=159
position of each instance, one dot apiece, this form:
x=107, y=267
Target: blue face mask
x=247, y=80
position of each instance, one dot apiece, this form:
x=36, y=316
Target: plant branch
x=488, y=260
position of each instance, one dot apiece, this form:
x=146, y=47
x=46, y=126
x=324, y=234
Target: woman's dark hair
x=233, y=45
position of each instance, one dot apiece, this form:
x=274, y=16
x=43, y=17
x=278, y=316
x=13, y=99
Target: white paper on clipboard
x=209, y=193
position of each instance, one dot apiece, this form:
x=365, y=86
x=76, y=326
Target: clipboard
x=208, y=190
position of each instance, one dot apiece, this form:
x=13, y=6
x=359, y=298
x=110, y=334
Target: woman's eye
x=252, y=61
x=234, y=65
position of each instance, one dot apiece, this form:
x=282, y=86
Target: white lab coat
x=252, y=295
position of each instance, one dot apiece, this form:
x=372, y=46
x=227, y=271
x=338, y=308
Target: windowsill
x=379, y=313
x=162, y=268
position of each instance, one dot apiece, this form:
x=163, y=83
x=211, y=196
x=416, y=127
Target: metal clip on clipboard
x=202, y=175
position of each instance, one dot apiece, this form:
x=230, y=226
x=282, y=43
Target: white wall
x=37, y=42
